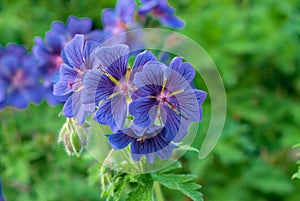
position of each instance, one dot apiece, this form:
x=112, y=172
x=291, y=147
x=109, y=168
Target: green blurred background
x=256, y=47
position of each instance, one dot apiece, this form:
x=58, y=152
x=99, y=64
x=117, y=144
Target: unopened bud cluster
x=74, y=137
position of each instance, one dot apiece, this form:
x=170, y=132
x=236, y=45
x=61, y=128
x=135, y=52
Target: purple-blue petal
x=1, y=193
x=144, y=111
x=55, y=42
x=67, y=76
x=175, y=81
x=152, y=74
x=183, y=68
x=79, y=26
x=112, y=112
x=58, y=28
x=3, y=88
x=114, y=59
x=119, y=140
x=40, y=50
x=109, y=18
x=189, y=105
x=125, y=10
x=96, y=87
x=142, y=58
x=89, y=55
x=52, y=99
x=172, y=21
x=149, y=145
x=172, y=121
x=18, y=99
x=74, y=108
x=9, y=65
x=96, y=35
x=74, y=51
x=89, y=47
x=200, y=95
x=147, y=7
x=165, y=7
x=18, y=50
x=68, y=108
x=166, y=153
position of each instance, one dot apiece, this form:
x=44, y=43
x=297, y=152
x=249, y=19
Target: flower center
x=124, y=89
x=163, y=97
x=158, y=12
x=56, y=61
x=17, y=79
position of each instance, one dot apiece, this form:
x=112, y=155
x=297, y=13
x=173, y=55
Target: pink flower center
x=163, y=97
x=157, y=12
x=56, y=61
x=124, y=89
x=17, y=79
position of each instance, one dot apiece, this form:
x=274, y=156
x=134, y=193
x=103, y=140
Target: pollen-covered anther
x=141, y=139
x=78, y=71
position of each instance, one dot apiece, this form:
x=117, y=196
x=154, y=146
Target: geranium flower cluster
x=18, y=80
x=47, y=54
x=160, y=98
x=148, y=106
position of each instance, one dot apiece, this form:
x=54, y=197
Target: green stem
x=108, y=156
x=125, y=157
x=158, y=192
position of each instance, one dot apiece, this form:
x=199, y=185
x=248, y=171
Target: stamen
x=176, y=92
x=163, y=86
x=158, y=112
x=173, y=106
x=77, y=90
x=141, y=139
x=78, y=71
x=127, y=76
x=114, y=94
x=108, y=75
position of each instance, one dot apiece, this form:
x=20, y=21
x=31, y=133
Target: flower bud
x=74, y=137
x=76, y=145
x=67, y=143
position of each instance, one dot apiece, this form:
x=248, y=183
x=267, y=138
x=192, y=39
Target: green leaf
x=267, y=179
x=142, y=192
x=181, y=182
x=173, y=166
x=296, y=175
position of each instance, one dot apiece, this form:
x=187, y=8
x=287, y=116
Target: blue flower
x=163, y=11
x=78, y=58
x=147, y=142
x=48, y=52
x=121, y=18
x=111, y=84
x=163, y=94
x=19, y=81
x=166, y=94
x=1, y=193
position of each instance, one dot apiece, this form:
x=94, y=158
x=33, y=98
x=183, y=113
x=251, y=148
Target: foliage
x=141, y=186
x=297, y=174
